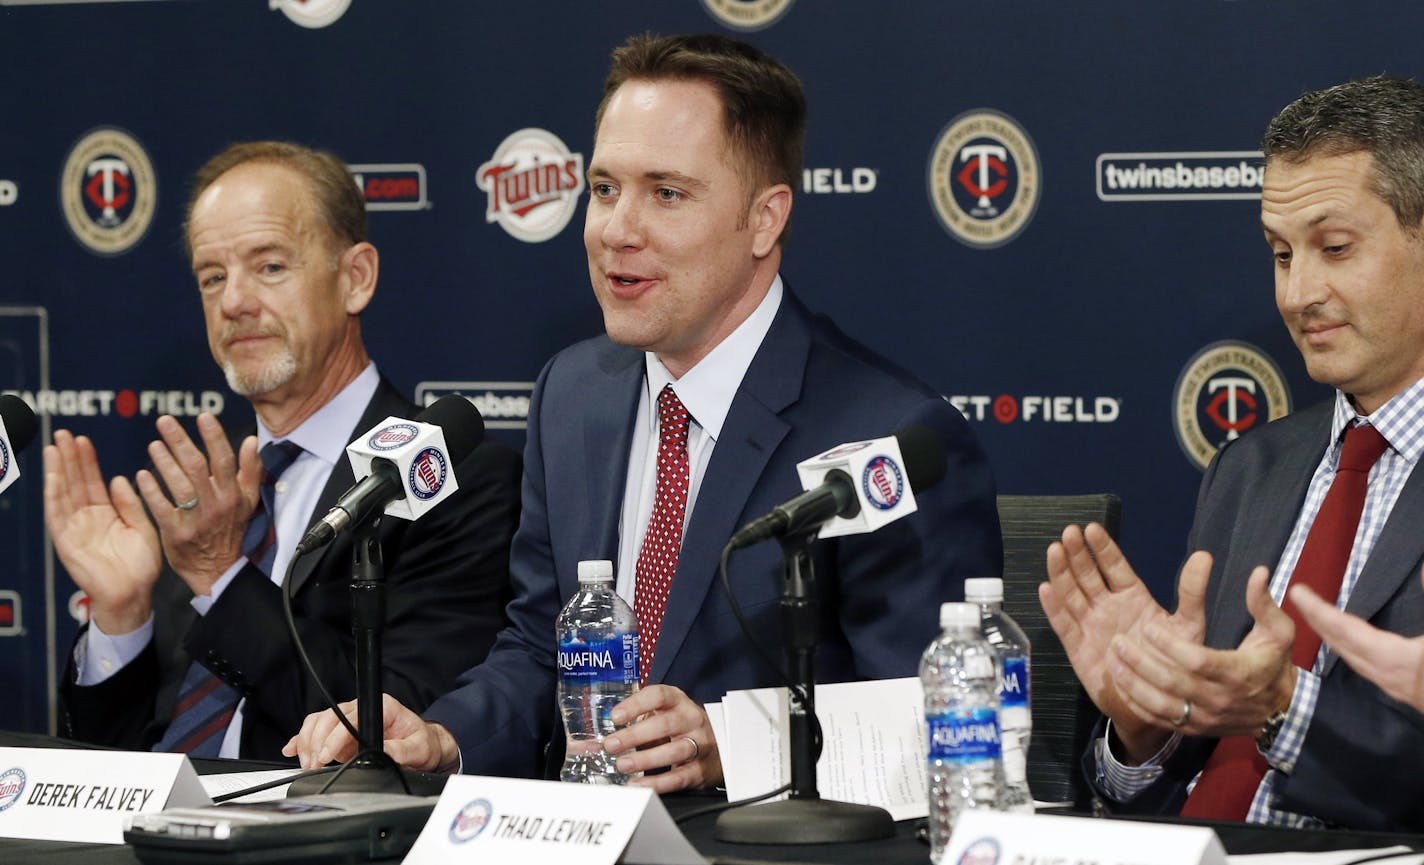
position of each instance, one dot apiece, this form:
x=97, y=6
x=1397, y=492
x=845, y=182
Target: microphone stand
x=804, y=818
x=371, y=770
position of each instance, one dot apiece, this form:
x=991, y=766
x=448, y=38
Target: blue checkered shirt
x=1401, y=422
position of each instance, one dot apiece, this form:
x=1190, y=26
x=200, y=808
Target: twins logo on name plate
x=883, y=483
x=985, y=851
x=12, y=785
x=427, y=474
x=470, y=821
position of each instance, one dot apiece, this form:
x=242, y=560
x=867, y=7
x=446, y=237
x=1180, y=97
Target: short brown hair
x=763, y=105
x=338, y=201
x=1382, y=115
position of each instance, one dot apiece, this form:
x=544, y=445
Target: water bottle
x=1015, y=720
x=598, y=669
x=960, y=675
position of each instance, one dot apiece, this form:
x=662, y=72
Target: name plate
x=480, y=819
x=55, y=794
x=993, y=838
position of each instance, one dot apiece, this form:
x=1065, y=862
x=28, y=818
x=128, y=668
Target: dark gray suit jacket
x=1362, y=763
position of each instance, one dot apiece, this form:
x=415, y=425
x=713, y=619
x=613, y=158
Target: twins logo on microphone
x=391, y=437
x=883, y=483
x=427, y=474
x=4, y=458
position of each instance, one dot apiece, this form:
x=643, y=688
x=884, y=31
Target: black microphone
x=838, y=495
x=20, y=427
x=464, y=429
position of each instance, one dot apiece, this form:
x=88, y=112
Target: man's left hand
x=213, y=498
x=666, y=720
x=1230, y=692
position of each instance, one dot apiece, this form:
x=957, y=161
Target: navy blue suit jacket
x=808, y=388
x=1354, y=767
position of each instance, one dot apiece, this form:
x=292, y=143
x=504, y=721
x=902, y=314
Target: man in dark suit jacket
x=684, y=230
x=277, y=238
x=1343, y=211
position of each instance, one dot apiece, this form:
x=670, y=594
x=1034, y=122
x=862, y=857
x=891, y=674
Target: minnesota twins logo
x=12, y=785
x=985, y=851
x=391, y=437
x=108, y=191
x=427, y=474
x=1226, y=389
x=983, y=178
x=748, y=15
x=470, y=821
x=311, y=13
x=533, y=183
x=883, y=483
x=4, y=459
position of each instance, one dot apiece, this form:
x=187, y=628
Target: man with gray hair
x=187, y=648
x=1228, y=711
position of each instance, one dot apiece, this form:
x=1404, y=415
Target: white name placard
x=56, y=794
x=993, y=838
x=481, y=819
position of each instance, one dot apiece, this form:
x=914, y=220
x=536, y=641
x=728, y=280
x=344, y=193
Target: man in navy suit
x=1228, y=708
x=697, y=152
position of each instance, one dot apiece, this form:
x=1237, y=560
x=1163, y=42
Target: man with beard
x=187, y=649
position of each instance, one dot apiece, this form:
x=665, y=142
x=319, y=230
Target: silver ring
x=696, y=750
x=1185, y=716
x=188, y=505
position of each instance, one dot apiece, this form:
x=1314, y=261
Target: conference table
x=903, y=849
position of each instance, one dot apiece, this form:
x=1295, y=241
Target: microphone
x=17, y=429
x=405, y=467
x=855, y=488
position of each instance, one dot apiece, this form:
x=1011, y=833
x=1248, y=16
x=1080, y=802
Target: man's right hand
x=102, y=535
x=1093, y=595
x=410, y=740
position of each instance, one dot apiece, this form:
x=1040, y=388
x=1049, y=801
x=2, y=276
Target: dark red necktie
x=657, y=560
x=1236, y=767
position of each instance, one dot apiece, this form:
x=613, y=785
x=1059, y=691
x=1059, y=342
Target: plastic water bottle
x=598, y=669
x=960, y=675
x=1015, y=719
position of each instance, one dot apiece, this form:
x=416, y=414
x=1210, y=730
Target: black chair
x=1063, y=716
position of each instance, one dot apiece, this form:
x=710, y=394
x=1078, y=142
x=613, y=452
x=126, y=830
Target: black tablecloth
x=903, y=849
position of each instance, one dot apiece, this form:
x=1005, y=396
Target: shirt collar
x=1400, y=421
x=325, y=434
x=708, y=388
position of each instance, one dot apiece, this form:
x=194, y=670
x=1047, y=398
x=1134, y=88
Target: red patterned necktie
x=1236, y=767
x=657, y=560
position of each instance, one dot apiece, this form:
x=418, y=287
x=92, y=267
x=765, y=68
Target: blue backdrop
x=1048, y=210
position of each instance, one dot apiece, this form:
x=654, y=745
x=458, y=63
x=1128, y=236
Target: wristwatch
x=1266, y=736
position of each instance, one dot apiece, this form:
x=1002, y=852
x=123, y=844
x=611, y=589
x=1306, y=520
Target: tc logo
x=983, y=178
x=1226, y=389
x=985, y=174
x=108, y=191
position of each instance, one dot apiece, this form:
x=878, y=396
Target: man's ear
x=770, y=212
x=360, y=266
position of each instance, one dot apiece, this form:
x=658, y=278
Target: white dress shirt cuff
x=98, y=655
x=203, y=603
x=1121, y=782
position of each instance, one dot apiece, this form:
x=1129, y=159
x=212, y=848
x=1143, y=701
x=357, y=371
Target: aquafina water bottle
x=960, y=676
x=598, y=669
x=1015, y=719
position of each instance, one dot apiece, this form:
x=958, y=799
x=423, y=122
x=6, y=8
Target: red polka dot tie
x=657, y=561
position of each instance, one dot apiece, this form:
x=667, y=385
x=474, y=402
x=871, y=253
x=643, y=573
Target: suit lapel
x=608, y=420
x=1273, y=513
x=1394, y=559
x=750, y=436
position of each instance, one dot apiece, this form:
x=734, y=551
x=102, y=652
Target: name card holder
x=58, y=794
x=993, y=838
x=480, y=819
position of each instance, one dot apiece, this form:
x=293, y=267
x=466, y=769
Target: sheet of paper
x=874, y=751
x=221, y=785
